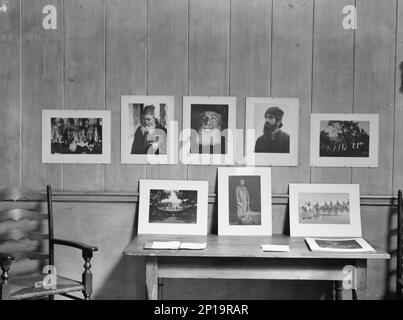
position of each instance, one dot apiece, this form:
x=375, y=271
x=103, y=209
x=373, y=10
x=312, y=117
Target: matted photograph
x=271, y=135
x=339, y=245
x=244, y=201
x=344, y=140
x=331, y=210
x=76, y=136
x=147, y=131
x=173, y=207
x=208, y=130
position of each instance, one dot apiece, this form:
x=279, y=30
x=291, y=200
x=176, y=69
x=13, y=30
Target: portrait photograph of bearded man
x=145, y=128
x=272, y=131
x=208, y=130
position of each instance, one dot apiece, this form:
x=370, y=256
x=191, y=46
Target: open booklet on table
x=175, y=245
x=339, y=245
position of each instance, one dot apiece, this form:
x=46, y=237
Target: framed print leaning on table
x=173, y=207
x=244, y=201
x=325, y=210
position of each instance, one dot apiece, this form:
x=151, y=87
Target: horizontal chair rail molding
x=126, y=197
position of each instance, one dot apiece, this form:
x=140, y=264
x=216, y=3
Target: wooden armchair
x=26, y=238
x=399, y=259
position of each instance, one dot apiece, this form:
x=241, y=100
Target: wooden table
x=230, y=257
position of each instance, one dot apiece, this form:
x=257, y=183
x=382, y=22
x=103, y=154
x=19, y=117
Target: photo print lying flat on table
x=76, y=136
x=244, y=205
x=339, y=245
x=208, y=130
x=271, y=135
x=325, y=210
x=173, y=207
x=344, y=140
x=148, y=134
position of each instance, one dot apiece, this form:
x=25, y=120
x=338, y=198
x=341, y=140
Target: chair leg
x=5, y=293
x=87, y=276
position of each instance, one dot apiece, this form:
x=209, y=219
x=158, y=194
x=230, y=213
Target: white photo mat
x=48, y=157
x=365, y=247
x=208, y=159
x=255, y=111
x=352, y=229
x=317, y=161
x=127, y=131
x=224, y=227
x=147, y=227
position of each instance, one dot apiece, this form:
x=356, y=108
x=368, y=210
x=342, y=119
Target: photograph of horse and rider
x=324, y=208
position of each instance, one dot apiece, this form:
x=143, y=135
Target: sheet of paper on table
x=275, y=248
x=175, y=245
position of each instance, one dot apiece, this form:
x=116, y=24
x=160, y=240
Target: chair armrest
x=5, y=257
x=82, y=246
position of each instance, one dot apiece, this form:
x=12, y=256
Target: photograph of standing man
x=273, y=140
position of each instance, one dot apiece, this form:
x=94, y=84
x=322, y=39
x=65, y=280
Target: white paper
x=276, y=248
x=165, y=245
x=193, y=246
x=339, y=245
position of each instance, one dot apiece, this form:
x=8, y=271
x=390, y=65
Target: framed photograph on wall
x=173, y=207
x=271, y=135
x=208, y=130
x=76, y=136
x=344, y=140
x=244, y=201
x=325, y=210
x=148, y=134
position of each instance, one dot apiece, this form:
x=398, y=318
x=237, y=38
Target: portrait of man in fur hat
x=273, y=140
x=150, y=135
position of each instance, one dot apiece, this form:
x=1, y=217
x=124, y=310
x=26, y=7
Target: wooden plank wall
x=103, y=49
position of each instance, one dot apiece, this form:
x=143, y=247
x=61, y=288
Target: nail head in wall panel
x=168, y=66
x=10, y=96
x=398, y=145
x=42, y=81
x=374, y=86
x=333, y=73
x=291, y=77
x=250, y=53
x=125, y=75
x=209, y=25
x=84, y=79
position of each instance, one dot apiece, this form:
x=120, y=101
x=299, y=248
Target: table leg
x=152, y=278
x=359, y=289
x=338, y=290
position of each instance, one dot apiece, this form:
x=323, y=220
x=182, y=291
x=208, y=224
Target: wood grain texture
x=42, y=83
x=209, y=27
x=84, y=80
x=374, y=86
x=168, y=66
x=333, y=74
x=10, y=96
x=291, y=77
x=250, y=56
x=398, y=128
x=125, y=75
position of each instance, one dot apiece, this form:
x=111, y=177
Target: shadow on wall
x=123, y=282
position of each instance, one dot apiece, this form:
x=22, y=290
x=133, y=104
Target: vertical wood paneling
x=84, y=78
x=125, y=75
x=209, y=25
x=398, y=144
x=374, y=86
x=10, y=96
x=333, y=73
x=250, y=53
x=291, y=77
x=168, y=66
x=42, y=81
